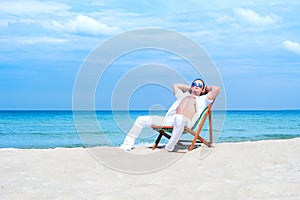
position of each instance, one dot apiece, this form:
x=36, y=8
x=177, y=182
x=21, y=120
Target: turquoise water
x=51, y=129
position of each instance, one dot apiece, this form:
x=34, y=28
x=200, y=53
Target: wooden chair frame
x=162, y=130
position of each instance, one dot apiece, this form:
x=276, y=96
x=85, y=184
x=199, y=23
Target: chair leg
x=201, y=140
x=196, y=135
x=210, y=129
x=157, y=140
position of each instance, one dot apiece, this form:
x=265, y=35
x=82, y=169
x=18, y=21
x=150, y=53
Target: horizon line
x=108, y=110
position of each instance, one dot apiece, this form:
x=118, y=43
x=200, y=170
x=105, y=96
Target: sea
x=68, y=129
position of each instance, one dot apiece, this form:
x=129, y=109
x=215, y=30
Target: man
x=191, y=101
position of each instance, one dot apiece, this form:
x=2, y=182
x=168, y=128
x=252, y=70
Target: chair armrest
x=161, y=127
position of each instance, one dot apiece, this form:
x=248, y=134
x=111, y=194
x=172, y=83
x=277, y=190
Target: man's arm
x=213, y=91
x=182, y=87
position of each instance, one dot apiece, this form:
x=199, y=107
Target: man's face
x=197, y=87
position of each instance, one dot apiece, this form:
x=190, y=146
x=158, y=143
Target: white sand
x=249, y=170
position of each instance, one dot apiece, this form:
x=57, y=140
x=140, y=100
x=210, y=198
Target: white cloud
x=32, y=7
x=292, y=46
x=257, y=19
x=84, y=25
x=224, y=19
x=43, y=40
x=12, y=40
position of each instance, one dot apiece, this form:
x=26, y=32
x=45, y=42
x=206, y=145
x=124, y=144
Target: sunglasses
x=194, y=84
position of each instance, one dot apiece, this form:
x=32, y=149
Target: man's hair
x=199, y=79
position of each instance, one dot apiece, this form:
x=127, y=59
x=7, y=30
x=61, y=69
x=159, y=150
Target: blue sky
x=255, y=45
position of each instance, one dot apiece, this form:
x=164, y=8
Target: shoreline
x=150, y=144
x=268, y=169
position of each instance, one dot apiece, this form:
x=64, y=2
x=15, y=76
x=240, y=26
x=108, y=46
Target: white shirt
x=201, y=103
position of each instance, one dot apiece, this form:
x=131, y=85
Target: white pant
x=177, y=121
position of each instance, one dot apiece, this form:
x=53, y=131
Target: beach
x=268, y=169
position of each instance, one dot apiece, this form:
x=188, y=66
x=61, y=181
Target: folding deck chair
x=195, y=130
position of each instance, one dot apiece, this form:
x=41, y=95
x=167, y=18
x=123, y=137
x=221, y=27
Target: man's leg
x=140, y=123
x=178, y=127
